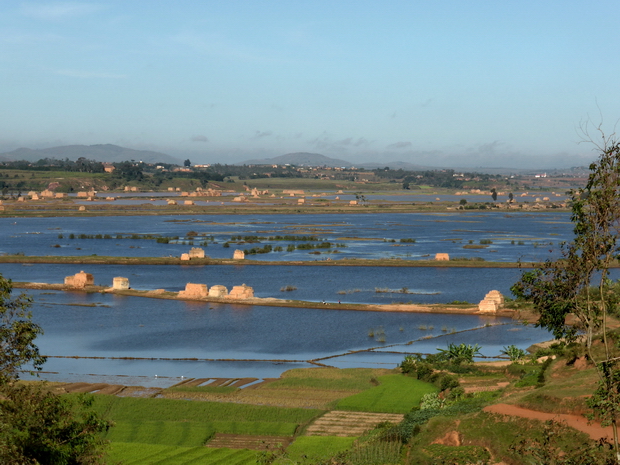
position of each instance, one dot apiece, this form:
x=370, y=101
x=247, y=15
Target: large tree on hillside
x=578, y=283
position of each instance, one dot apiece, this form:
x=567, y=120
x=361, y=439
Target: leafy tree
x=36, y=425
x=494, y=194
x=578, y=283
x=128, y=171
x=187, y=163
x=17, y=335
x=40, y=427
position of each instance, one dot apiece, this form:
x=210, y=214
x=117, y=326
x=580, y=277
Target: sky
x=445, y=83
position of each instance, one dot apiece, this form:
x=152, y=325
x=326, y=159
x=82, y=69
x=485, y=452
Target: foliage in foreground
x=36, y=425
x=42, y=426
x=578, y=284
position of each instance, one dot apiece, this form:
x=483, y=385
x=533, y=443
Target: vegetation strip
x=390, y=262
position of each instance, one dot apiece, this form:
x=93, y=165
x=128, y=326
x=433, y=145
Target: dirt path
x=594, y=430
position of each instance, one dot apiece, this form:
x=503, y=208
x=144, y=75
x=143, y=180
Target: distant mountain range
x=300, y=159
x=101, y=152
x=110, y=153
x=316, y=159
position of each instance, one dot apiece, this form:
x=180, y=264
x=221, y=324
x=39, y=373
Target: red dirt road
x=594, y=430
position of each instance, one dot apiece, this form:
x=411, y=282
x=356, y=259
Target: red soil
x=594, y=430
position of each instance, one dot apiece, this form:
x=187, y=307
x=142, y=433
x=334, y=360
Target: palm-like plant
x=460, y=353
x=513, y=353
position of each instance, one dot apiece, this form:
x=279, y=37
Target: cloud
x=53, y=11
x=399, y=145
x=261, y=134
x=200, y=138
x=88, y=74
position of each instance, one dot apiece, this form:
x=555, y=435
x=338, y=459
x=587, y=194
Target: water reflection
x=513, y=236
x=235, y=341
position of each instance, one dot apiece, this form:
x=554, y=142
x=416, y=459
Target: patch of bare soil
x=244, y=441
x=594, y=430
x=478, y=387
x=342, y=423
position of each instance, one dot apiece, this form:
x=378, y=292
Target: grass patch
x=332, y=379
x=130, y=409
x=316, y=448
x=457, y=455
x=394, y=394
x=139, y=454
x=192, y=433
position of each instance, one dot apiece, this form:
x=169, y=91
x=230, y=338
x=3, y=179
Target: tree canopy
x=578, y=283
x=38, y=426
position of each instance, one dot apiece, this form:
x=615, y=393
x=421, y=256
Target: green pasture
x=330, y=379
x=317, y=447
x=394, y=394
x=131, y=409
x=192, y=433
x=146, y=454
x=175, y=431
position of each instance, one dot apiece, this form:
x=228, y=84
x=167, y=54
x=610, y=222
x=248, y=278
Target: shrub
x=513, y=352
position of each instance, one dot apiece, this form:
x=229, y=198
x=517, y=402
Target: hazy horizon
x=464, y=84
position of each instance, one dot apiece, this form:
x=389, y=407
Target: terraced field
x=150, y=454
x=349, y=424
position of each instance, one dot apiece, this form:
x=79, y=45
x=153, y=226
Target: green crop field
x=137, y=409
x=146, y=454
x=317, y=447
x=192, y=433
x=394, y=394
x=326, y=379
x=175, y=431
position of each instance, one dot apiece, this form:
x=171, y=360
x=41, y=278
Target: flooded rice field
x=132, y=340
x=151, y=342
x=492, y=236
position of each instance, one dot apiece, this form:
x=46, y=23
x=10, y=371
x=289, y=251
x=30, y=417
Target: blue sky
x=443, y=83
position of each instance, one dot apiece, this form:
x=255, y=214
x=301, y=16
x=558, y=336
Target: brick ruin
x=80, y=280
x=491, y=303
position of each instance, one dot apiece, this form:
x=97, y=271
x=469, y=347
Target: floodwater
x=509, y=236
x=347, y=284
x=229, y=340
